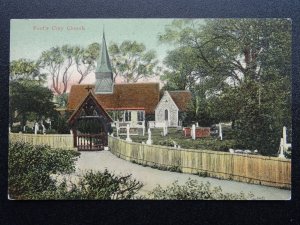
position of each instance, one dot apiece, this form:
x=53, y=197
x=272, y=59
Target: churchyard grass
x=176, y=136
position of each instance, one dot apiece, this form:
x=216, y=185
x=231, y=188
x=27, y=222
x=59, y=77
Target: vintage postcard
x=163, y=109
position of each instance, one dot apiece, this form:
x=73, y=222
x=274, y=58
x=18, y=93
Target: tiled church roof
x=181, y=99
x=125, y=96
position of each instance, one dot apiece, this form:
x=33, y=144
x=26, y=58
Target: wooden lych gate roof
x=125, y=96
x=88, y=96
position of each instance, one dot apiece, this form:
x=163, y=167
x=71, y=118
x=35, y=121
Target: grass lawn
x=174, y=135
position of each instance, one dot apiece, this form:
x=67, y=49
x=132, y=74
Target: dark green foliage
x=132, y=62
x=243, y=73
x=29, y=100
x=32, y=171
x=192, y=190
x=16, y=129
x=167, y=142
x=175, y=168
x=104, y=185
x=25, y=69
x=61, y=100
x=94, y=186
x=59, y=123
x=30, y=168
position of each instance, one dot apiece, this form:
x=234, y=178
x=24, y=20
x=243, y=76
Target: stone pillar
x=143, y=124
x=220, y=132
x=193, y=132
x=284, y=138
x=281, y=155
x=36, y=128
x=149, y=141
x=128, y=130
x=165, y=129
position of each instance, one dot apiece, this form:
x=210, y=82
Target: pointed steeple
x=103, y=63
x=104, y=76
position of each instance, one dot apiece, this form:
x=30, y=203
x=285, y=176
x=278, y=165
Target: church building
x=124, y=102
x=95, y=107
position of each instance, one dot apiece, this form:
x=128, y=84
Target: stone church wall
x=166, y=103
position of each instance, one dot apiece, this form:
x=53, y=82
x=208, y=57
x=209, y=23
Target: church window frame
x=127, y=116
x=166, y=115
x=141, y=115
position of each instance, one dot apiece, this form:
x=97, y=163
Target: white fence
x=63, y=141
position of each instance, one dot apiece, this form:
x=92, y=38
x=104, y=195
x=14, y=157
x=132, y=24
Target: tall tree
x=247, y=64
x=132, y=62
x=181, y=70
x=25, y=69
x=57, y=63
x=85, y=59
x=236, y=49
x=29, y=100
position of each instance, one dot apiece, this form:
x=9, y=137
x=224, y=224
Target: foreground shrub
x=192, y=190
x=39, y=173
x=30, y=168
x=95, y=186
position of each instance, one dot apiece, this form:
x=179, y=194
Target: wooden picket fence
x=254, y=169
x=63, y=141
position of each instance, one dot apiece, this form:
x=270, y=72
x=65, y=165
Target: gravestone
x=165, y=129
x=149, y=141
x=194, y=132
x=220, y=132
x=36, y=128
x=281, y=154
x=128, y=130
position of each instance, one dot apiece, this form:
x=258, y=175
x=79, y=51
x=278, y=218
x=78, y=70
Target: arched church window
x=166, y=114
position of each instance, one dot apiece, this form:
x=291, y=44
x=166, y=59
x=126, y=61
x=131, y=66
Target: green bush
x=16, y=129
x=60, y=123
x=51, y=131
x=167, y=142
x=94, y=186
x=30, y=168
x=29, y=130
x=192, y=190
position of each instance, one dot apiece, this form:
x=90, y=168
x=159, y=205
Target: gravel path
x=99, y=161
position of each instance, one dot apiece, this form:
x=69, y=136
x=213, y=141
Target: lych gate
x=90, y=125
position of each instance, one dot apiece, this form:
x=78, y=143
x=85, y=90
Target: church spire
x=103, y=63
x=104, y=76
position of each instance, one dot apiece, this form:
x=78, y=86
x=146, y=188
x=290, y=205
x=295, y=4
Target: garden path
x=99, y=161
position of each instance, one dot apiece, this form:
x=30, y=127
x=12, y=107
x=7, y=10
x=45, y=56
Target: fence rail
x=254, y=169
x=64, y=141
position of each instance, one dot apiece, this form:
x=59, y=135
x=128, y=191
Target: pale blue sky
x=29, y=37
